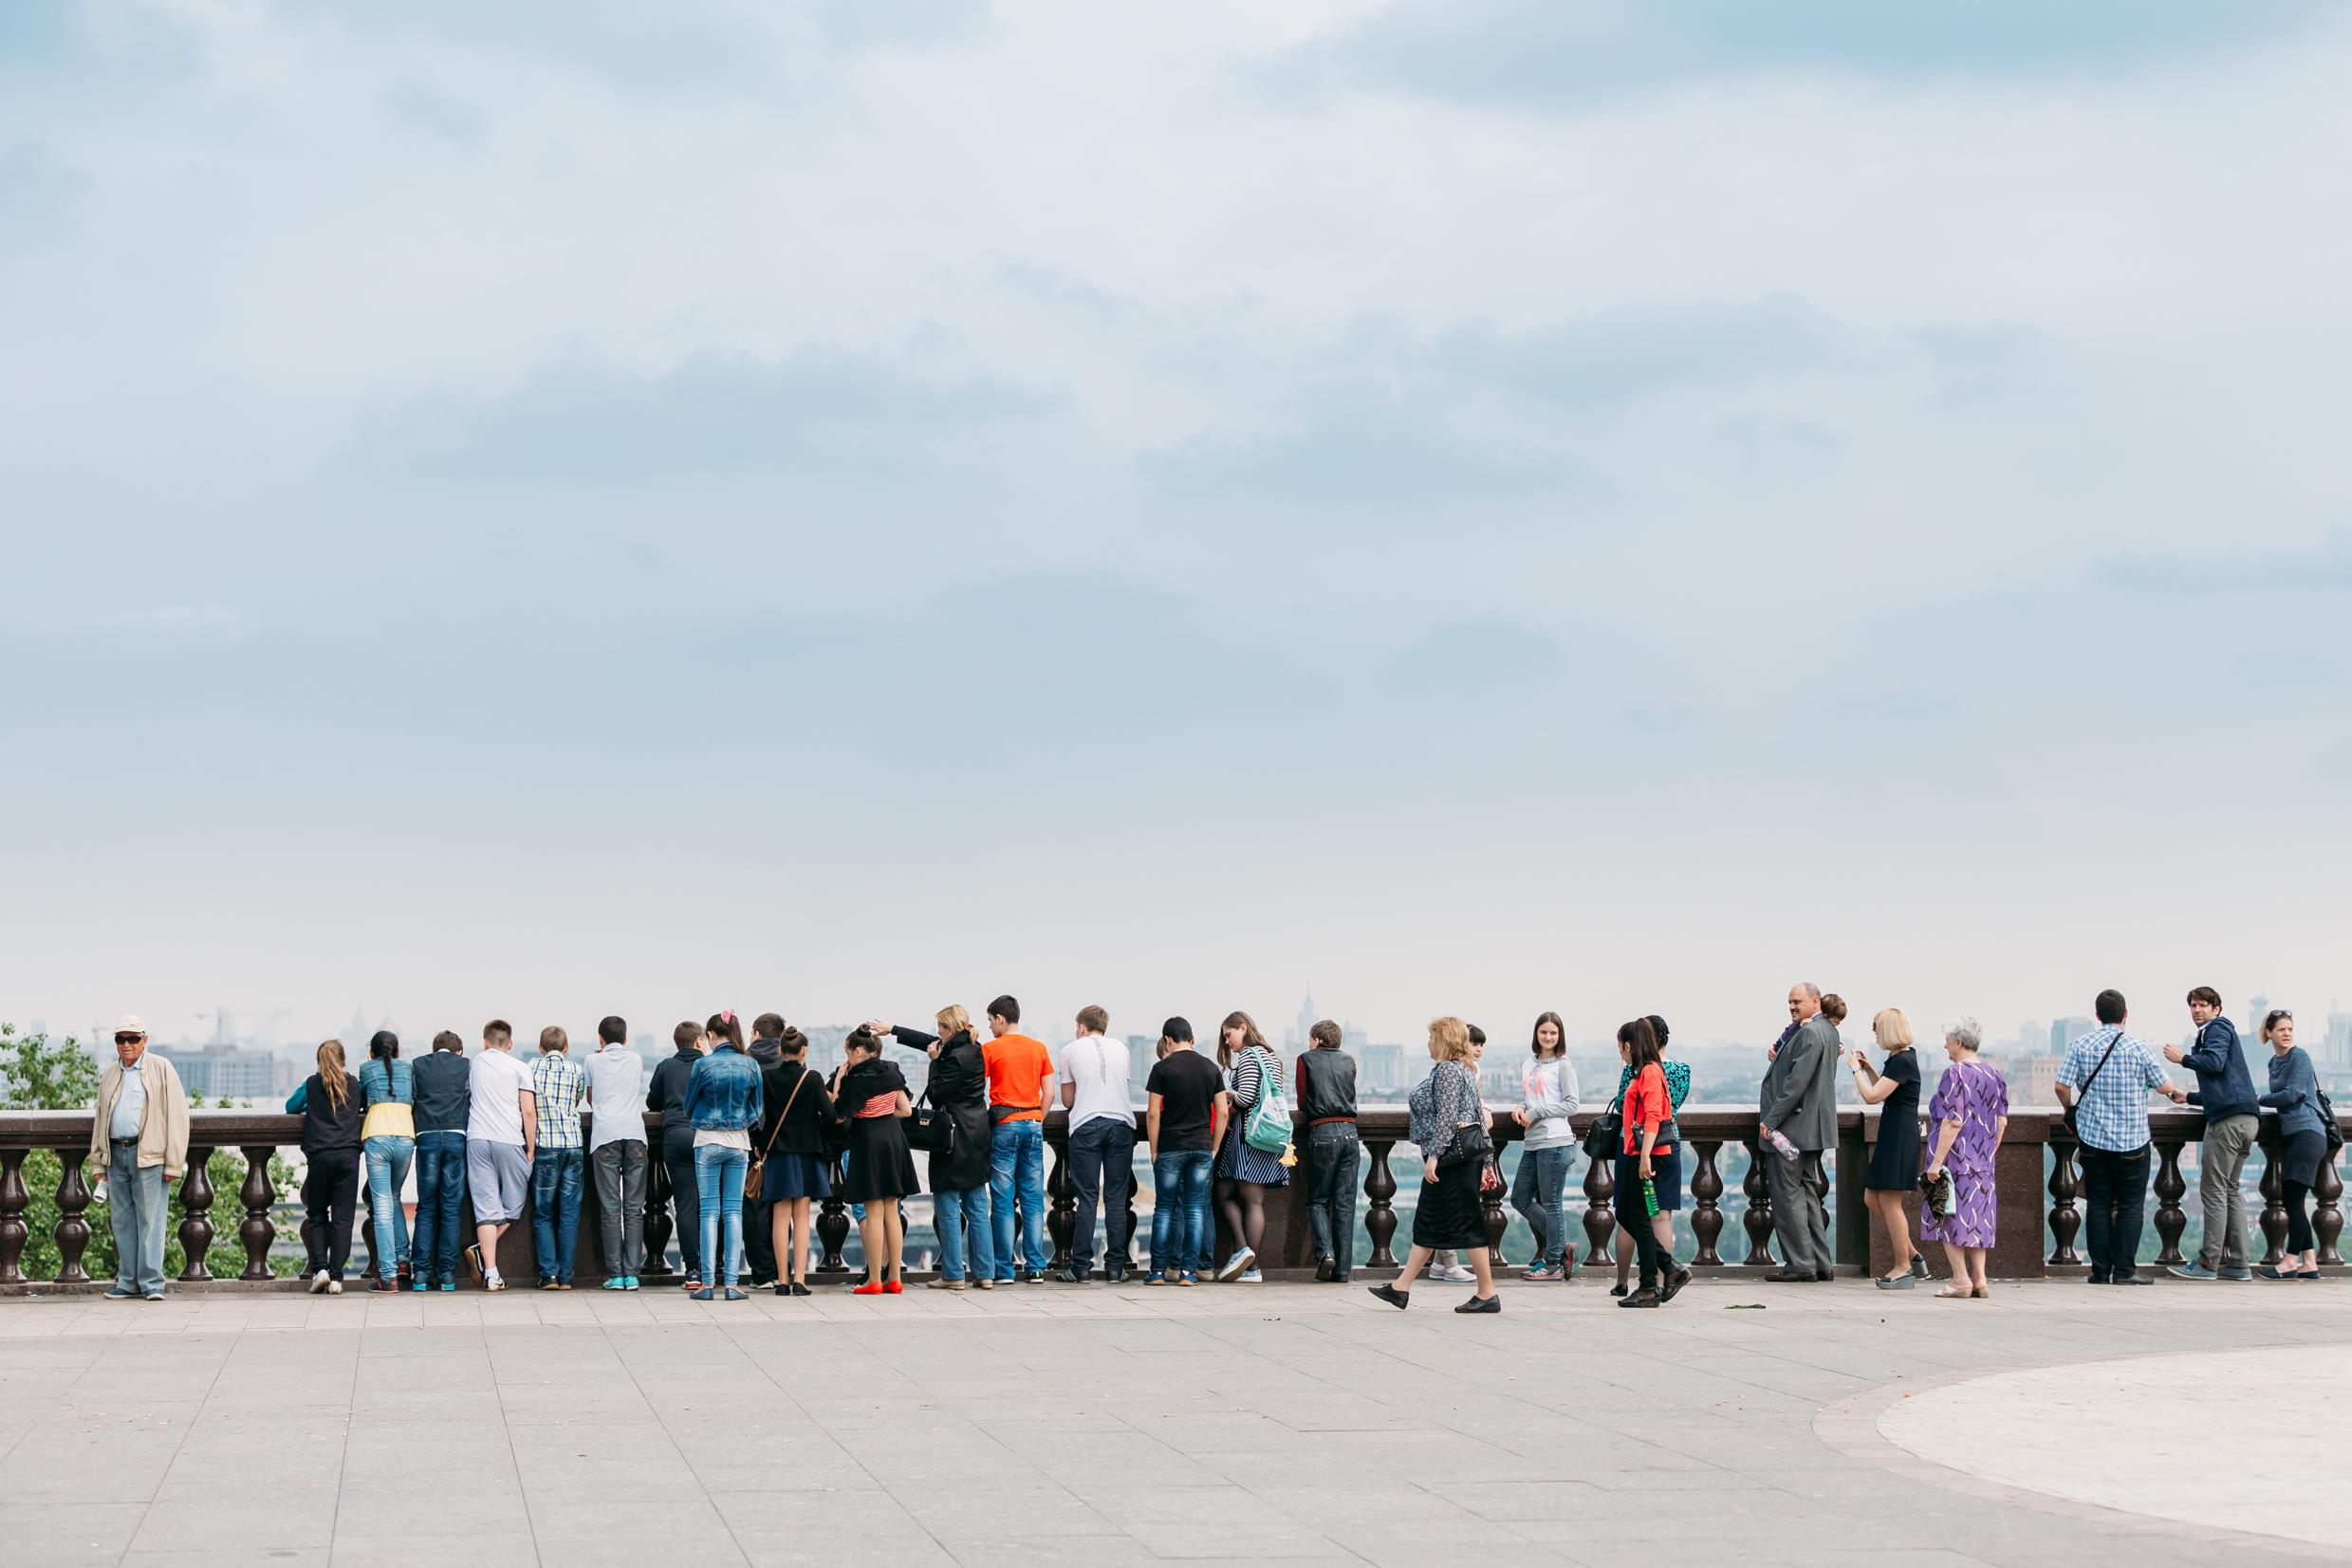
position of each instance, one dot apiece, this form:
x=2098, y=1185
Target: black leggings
x=1635, y=1222
x=330, y=1193
x=2298, y=1223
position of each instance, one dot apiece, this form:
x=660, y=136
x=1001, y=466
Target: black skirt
x=881, y=1164
x=2300, y=1157
x=1449, y=1214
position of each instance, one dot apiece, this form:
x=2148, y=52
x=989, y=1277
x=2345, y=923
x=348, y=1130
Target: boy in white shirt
x=1093, y=1070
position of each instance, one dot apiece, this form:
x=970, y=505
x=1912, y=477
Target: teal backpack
x=1265, y=1126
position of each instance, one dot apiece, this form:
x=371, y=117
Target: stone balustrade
x=2037, y=1173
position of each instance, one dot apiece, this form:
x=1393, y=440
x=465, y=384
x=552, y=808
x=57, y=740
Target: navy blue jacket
x=2224, y=1087
x=444, y=1091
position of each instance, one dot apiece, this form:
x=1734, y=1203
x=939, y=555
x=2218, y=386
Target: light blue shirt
x=130, y=1103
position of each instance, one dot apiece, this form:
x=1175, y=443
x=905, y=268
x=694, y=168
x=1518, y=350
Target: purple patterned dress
x=1976, y=1095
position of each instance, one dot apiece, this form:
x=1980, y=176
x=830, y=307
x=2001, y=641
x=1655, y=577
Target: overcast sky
x=1472, y=505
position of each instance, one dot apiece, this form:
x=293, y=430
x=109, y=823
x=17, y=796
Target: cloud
x=1616, y=356
x=421, y=108
x=176, y=620
x=36, y=188
x=2323, y=568
x=1354, y=446
x=1570, y=54
x=814, y=410
x=1481, y=649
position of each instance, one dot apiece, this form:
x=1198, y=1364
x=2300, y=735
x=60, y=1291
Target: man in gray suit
x=1799, y=1103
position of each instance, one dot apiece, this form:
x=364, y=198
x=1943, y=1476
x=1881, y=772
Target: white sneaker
x=493, y=1282
x=1457, y=1275
x=319, y=1282
x=334, y=1287
x=1235, y=1264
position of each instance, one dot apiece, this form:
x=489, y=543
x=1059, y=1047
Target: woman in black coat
x=959, y=1089
x=330, y=1105
x=796, y=1165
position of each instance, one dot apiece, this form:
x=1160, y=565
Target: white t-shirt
x=495, y=1115
x=617, y=1095
x=1097, y=1064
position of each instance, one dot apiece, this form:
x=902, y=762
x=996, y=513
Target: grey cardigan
x=2294, y=1093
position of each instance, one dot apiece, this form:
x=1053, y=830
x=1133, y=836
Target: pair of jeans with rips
x=1537, y=1191
x=1333, y=1158
x=441, y=1207
x=136, y=1200
x=956, y=1215
x=388, y=1159
x=718, y=1191
x=1101, y=1159
x=555, y=1179
x=1017, y=1174
x=1180, y=1235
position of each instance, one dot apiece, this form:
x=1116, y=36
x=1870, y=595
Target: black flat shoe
x=1398, y=1299
x=1640, y=1298
x=1674, y=1285
x=1618, y=1290
x=798, y=1289
x=1323, y=1269
x=1481, y=1303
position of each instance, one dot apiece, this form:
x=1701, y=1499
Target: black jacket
x=666, y=1093
x=443, y=1092
x=812, y=1111
x=321, y=1126
x=1326, y=1085
x=958, y=1086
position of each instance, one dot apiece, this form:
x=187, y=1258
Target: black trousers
x=330, y=1194
x=759, y=1240
x=2115, y=1199
x=678, y=1156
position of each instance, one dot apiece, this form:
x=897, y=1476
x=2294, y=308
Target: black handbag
x=2327, y=1120
x=930, y=1128
x=1472, y=1145
x=1606, y=1135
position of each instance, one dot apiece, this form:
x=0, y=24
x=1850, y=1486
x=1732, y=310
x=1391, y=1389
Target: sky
x=1463, y=505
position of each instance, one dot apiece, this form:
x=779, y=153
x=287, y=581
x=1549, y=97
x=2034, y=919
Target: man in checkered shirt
x=2109, y=1072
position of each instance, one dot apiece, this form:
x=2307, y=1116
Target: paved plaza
x=2056, y=1424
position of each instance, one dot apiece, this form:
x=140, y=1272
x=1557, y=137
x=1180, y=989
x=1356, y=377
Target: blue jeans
x=1180, y=1183
x=718, y=1190
x=1535, y=1191
x=555, y=1178
x=388, y=1159
x=1017, y=1173
x=440, y=1204
x=1332, y=1157
x=951, y=1212
x=136, y=1200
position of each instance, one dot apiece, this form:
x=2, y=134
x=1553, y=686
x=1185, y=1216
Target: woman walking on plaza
x=796, y=1113
x=1894, y=1173
x=328, y=1103
x=723, y=1105
x=1547, y=1101
x=1450, y=1125
x=388, y=1141
x=1677, y=1090
x=2302, y=1143
x=1969, y=1113
x=872, y=1095
x=1244, y=1172
x=1649, y=1168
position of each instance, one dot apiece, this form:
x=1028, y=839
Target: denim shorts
x=499, y=1178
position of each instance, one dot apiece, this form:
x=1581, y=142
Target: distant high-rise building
x=1352, y=1038
x=1295, y=1037
x=216, y=1072
x=2338, y=1042
x=2066, y=1031
x=2255, y=1011
x=1384, y=1071
x=355, y=1038
x=1143, y=1054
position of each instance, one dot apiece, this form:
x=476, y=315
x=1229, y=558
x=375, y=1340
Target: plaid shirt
x=2114, y=1113
x=558, y=1081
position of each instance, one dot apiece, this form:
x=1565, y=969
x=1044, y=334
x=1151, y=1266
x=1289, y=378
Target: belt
x=132, y=1141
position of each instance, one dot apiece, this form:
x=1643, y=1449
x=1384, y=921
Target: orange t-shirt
x=1017, y=1068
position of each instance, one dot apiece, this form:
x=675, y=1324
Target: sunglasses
x=128, y=1040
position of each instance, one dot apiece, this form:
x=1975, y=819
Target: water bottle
x=1649, y=1197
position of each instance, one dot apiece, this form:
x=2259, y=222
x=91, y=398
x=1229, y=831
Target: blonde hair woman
x=1893, y=1172
x=957, y=1089
x=332, y=1113
x=1451, y=1127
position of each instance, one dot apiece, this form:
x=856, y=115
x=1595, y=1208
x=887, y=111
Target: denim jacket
x=723, y=1092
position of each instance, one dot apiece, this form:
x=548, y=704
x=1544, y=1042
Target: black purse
x=930, y=1128
x=1606, y=1135
x=1472, y=1145
x=2075, y=1111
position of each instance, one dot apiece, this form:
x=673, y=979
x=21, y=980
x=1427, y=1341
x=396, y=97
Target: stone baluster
x=2170, y=1218
x=1757, y=1188
x=1600, y=1217
x=2066, y=1186
x=2328, y=1210
x=1061, y=1202
x=1706, y=1197
x=73, y=1231
x=196, y=1222
x=1379, y=1189
x=257, y=1194
x=1125, y=1240
x=659, y=1223
x=363, y=1229
x=1490, y=1209
x=2273, y=1189
x=14, y=1199
x=832, y=1230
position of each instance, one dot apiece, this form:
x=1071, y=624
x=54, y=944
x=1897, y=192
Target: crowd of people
x=751, y=1138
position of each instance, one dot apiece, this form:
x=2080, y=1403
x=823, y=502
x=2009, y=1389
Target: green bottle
x=1649, y=1197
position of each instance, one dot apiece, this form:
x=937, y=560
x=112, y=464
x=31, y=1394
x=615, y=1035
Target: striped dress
x=1236, y=1158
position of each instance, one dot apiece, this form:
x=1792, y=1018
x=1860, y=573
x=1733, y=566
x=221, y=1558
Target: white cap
x=131, y=1023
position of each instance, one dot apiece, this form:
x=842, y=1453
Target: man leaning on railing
x=141, y=1126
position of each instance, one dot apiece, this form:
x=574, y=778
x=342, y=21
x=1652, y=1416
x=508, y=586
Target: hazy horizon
x=1475, y=507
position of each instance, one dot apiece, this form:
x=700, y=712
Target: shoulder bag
x=1473, y=1144
x=1266, y=1126
x=753, y=1172
x=2075, y=1111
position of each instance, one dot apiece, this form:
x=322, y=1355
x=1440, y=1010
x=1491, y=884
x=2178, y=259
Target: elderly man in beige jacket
x=139, y=1126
